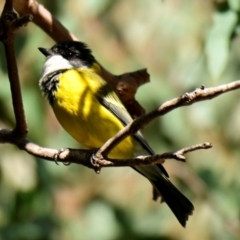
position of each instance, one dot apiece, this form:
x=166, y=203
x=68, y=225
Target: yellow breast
x=83, y=117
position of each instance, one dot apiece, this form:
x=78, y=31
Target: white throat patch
x=55, y=63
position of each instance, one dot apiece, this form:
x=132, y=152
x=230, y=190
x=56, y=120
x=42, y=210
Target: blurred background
x=183, y=44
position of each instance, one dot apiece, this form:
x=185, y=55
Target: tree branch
x=44, y=19
x=200, y=94
x=10, y=22
x=151, y=159
x=84, y=157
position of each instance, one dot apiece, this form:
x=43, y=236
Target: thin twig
x=154, y=159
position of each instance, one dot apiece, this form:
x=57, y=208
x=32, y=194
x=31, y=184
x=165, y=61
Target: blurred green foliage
x=184, y=44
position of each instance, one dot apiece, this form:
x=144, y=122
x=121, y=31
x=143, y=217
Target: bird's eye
x=71, y=54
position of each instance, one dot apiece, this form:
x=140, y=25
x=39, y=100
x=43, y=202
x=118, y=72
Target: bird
x=89, y=109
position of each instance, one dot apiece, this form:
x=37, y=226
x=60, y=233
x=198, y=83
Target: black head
x=77, y=53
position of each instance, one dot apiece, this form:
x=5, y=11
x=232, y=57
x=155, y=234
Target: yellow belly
x=84, y=118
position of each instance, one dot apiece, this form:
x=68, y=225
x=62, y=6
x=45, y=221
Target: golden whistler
x=91, y=112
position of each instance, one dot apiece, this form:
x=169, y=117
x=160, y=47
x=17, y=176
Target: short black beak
x=46, y=52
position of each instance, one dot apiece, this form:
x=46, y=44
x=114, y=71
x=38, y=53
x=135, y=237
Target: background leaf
x=217, y=43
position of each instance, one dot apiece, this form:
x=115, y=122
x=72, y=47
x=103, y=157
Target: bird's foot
x=57, y=156
x=94, y=161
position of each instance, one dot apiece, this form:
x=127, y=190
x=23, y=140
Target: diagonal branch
x=44, y=19
x=200, y=94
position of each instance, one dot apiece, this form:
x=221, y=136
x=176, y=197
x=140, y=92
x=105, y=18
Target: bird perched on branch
x=91, y=112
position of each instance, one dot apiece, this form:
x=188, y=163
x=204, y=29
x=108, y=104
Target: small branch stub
x=11, y=22
x=180, y=154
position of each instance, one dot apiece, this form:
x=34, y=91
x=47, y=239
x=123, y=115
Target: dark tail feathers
x=177, y=202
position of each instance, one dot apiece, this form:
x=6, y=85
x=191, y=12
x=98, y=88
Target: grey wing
x=113, y=104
